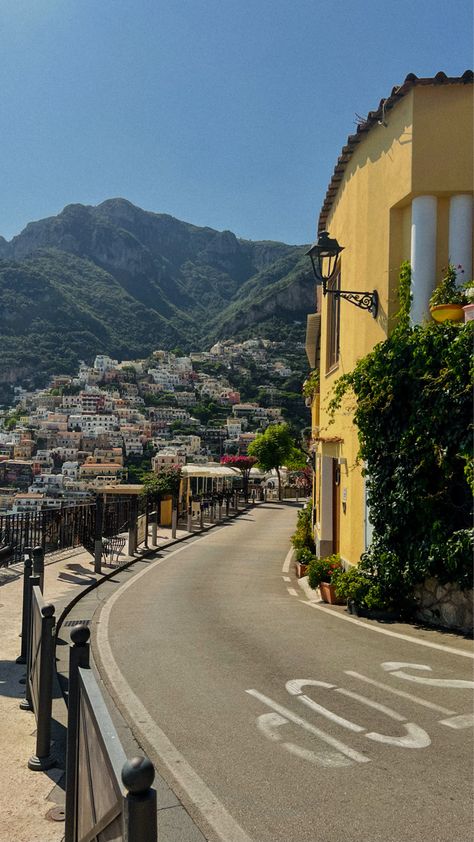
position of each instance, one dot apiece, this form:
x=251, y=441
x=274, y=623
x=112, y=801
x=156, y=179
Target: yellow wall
x=166, y=507
x=426, y=148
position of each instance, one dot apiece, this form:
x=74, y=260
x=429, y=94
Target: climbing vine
x=413, y=412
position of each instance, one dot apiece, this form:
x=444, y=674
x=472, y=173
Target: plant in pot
x=303, y=557
x=321, y=572
x=446, y=302
x=365, y=596
x=469, y=305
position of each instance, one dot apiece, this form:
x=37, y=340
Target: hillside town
x=114, y=421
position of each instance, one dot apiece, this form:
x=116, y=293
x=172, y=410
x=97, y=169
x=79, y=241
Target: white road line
x=392, y=667
x=448, y=649
x=371, y=704
x=287, y=562
x=215, y=814
x=298, y=720
x=464, y=720
x=402, y=693
x=268, y=723
x=286, y=579
x=292, y=592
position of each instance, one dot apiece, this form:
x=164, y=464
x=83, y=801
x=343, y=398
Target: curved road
x=276, y=720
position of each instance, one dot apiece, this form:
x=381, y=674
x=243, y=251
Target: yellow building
x=401, y=190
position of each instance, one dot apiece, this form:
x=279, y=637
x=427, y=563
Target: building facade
x=402, y=190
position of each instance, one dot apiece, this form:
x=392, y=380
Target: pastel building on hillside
x=402, y=190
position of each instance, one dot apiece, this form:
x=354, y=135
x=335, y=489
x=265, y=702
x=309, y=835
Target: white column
x=460, y=235
x=423, y=254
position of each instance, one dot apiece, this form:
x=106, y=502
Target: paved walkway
x=31, y=799
x=27, y=797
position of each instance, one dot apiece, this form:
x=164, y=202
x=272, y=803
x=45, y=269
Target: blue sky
x=227, y=113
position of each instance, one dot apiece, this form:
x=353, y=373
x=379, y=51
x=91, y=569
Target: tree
x=273, y=448
x=244, y=464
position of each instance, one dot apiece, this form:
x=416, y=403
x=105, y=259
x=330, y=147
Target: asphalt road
x=278, y=721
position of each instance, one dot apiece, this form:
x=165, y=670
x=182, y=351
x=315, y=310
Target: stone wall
x=444, y=605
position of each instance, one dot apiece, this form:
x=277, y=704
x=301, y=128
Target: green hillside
x=124, y=281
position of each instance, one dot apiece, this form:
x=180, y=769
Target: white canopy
x=209, y=470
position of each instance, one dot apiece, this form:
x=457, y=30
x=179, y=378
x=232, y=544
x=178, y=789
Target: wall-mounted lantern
x=324, y=255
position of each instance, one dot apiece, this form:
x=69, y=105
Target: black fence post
x=27, y=703
x=78, y=657
x=25, y=614
x=132, y=527
x=99, y=528
x=43, y=759
x=38, y=565
x=140, y=803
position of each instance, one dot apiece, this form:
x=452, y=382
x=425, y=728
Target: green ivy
x=413, y=412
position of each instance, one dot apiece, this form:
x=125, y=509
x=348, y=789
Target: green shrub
x=323, y=570
x=303, y=536
x=357, y=585
x=413, y=413
x=304, y=555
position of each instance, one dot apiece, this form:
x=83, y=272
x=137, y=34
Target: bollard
x=78, y=657
x=201, y=517
x=27, y=572
x=190, y=520
x=26, y=703
x=219, y=511
x=174, y=521
x=139, y=815
x=227, y=506
x=43, y=759
x=38, y=565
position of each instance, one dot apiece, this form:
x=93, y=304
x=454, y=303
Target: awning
x=209, y=471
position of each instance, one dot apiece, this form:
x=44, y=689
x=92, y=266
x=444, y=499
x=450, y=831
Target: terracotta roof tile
x=373, y=117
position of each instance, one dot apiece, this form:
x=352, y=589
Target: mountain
x=120, y=280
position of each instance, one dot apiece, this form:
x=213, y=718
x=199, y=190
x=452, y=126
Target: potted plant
x=469, y=306
x=303, y=558
x=364, y=595
x=320, y=575
x=446, y=303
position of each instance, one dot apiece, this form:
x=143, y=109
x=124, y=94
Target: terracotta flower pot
x=328, y=594
x=447, y=312
x=301, y=570
x=468, y=312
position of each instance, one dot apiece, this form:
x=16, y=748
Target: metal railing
x=58, y=529
x=39, y=672
x=106, y=795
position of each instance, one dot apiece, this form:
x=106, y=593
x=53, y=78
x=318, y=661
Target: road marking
x=286, y=579
x=292, y=592
x=268, y=723
x=287, y=562
x=464, y=720
x=371, y=704
x=402, y=693
x=415, y=737
x=149, y=733
x=393, y=668
x=298, y=720
x=448, y=649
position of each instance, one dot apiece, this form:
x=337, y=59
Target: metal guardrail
x=39, y=672
x=107, y=797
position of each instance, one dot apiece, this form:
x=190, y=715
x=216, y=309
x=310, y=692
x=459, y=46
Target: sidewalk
x=27, y=797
